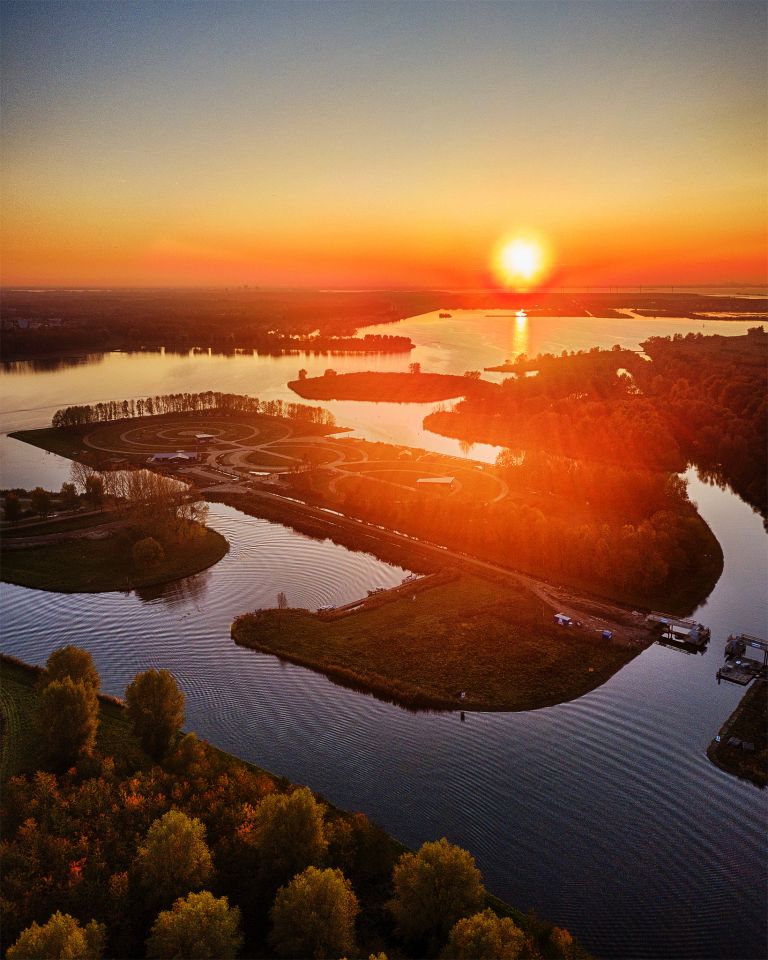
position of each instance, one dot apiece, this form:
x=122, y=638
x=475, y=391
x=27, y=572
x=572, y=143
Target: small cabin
x=436, y=483
x=204, y=437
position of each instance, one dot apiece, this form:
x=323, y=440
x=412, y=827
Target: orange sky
x=392, y=144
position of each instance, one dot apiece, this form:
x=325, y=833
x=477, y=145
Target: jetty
x=410, y=586
x=678, y=628
x=738, y=667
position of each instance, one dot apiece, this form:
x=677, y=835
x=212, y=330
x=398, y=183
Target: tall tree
x=94, y=489
x=198, y=925
x=156, y=710
x=174, y=858
x=61, y=938
x=67, y=719
x=433, y=889
x=314, y=916
x=12, y=507
x=40, y=501
x=288, y=832
x=73, y=662
x=68, y=496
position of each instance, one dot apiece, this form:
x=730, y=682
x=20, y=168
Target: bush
x=61, y=938
x=314, y=916
x=147, y=553
x=484, y=936
x=199, y=926
x=12, y=507
x=40, y=501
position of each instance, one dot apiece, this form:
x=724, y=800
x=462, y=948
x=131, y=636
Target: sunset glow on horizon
x=368, y=145
x=522, y=263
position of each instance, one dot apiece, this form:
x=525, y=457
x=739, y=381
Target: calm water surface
x=603, y=814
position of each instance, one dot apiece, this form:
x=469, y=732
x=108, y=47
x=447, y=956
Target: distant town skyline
x=382, y=144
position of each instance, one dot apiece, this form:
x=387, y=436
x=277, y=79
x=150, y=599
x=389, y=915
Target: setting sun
x=521, y=262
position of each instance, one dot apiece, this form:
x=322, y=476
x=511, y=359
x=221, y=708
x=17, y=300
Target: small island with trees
x=411, y=387
x=117, y=530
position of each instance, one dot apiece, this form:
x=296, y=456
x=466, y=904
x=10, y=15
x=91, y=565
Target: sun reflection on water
x=520, y=334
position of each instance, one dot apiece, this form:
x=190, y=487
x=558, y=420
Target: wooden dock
x=678, y=628
x=741, y=671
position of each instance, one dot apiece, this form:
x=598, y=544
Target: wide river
x=603, y=815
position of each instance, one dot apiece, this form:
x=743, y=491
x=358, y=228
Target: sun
x=521, y=262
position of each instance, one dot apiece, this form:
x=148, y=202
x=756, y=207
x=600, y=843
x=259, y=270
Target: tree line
x=206, y=401
x=598, y=419
x=701, y=399
x=162, y=846
x=712, y=392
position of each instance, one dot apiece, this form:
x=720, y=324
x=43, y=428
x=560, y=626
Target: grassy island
x=72, y=837
x=496, y=643
x=106, y=563
x=748, y=723
x=390, y=387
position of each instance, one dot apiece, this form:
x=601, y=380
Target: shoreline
x=749, y=717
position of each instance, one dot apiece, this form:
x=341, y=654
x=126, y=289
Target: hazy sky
x=381, y=143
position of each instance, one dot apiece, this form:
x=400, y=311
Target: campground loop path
x=239, y=452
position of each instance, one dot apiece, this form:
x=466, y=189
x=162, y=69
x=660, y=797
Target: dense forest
x=124, y=837
x=610, y=530
x=207, y=401
x=712, y=393
x=584, y=406
x=699, y=399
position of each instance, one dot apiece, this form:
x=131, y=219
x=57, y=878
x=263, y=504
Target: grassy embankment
x=390, y=387
x=493, y=641
x=19, y=755
x=18, y=697
x=98, y=566
x=749, y=721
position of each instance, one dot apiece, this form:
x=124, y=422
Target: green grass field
x=495, y=642
x=98, y=566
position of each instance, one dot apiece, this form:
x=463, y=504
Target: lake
x=604, y=814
